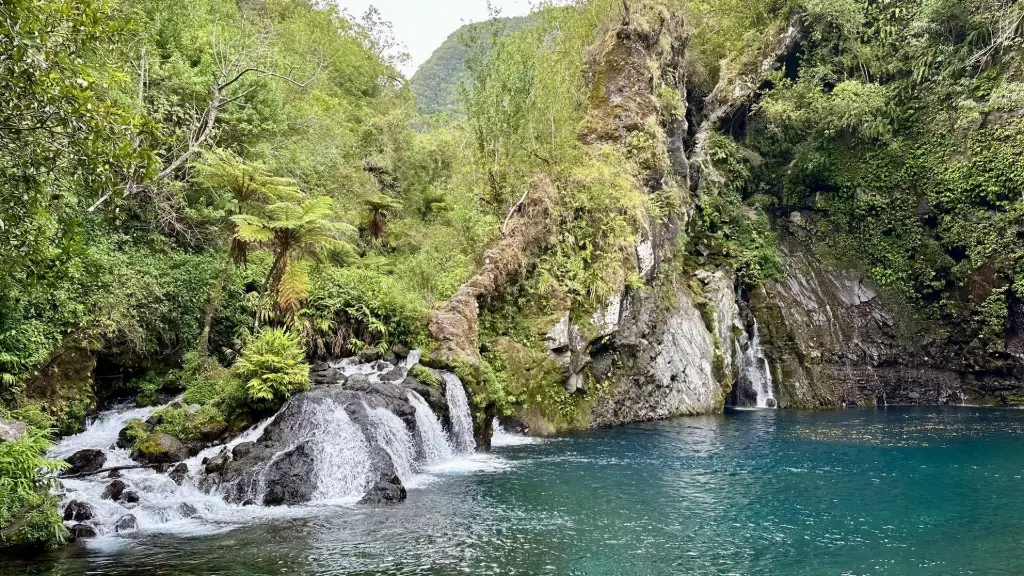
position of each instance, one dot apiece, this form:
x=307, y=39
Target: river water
x=896, y=491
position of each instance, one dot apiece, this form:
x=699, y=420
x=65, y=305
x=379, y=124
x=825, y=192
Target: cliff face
x=831, y=339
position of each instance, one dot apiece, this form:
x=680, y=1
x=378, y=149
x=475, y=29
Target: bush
x=270, y=368
x=28, y=512
x=186, y=424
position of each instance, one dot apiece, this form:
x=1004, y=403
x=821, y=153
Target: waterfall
x=340, y=451
x=502, y=437
x=412, y=359
x=757, y=372
x=458, y=412
x=394, y=437
x=434, y=446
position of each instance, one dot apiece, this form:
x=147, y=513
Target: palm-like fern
x=297, y=234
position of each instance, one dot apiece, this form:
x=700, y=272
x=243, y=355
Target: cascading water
x=390, y=433
x=433, y=444
x=343, y=446
x=757, y=372
x=458, y=412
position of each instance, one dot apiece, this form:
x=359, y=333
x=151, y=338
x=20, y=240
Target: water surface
x=897, y=491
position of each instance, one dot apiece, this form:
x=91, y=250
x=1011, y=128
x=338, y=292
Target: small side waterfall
x=433, y=444
x=757, y=372
x=458, y=411
x=391, y=434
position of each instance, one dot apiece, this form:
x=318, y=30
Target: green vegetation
x=206, y=197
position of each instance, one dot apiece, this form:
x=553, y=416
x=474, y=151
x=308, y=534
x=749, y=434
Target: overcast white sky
x=422, y=25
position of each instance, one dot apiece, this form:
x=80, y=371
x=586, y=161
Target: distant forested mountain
x=436, y=82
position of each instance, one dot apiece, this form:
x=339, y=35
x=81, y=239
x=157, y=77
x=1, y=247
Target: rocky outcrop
x=831, y=339
x=524, y=233
x=284, y=466
x=12, y=430
x=668, y=358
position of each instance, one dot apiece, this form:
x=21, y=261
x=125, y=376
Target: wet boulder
x=514, y=425
x=126, y=523
x=132, y=431
x=130, y=497
x=187, y=510
x=12, y=430
x=290, y=478
x=216, y=464
x=322, y=374
x=241, y=450
x=160, y=448
x=114, y=490
x=387, y=490
x=85, y=461
x=81, y=532
x=400, y=351
x=179, y=473
x=78, y=511
x=369, y=355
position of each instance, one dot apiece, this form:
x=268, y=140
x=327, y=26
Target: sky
x=422, y=25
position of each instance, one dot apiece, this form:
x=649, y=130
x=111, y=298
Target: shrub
x=425, y=376
x=28, y=512
x=270, y=368
x=186, y=424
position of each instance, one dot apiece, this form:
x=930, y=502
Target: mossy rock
x=159, y=448
x=425, y=376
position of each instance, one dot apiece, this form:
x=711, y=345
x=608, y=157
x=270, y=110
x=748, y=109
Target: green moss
x=425, y=376
x=186, y=424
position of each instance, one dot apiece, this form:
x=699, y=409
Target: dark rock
x=179, y=473
x=391, y=358
x=155, y=420
x=435, y=397
x=130, y=496
x=248, y=502
x=187, y=510
x=385, y=491
x=771, y=403
x=241, y=450
x=160, y=448
x=368, y=355
x=114, y=490
x=85, y=461
x=289, y=478
x=216, y=464
x=394, y=375
x=81, y=532
x=12, y=430
x=514, y=425
x=400, y=351
x=126, y=523
x=114, y=474
x=323, y=374
x=78, y=511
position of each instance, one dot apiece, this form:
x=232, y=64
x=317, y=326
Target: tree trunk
x=213, y=305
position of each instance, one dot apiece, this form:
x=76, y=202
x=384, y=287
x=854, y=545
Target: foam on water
x=500, y=437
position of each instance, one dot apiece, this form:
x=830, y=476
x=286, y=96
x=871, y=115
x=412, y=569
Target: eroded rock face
x=387, y=490
x=831, y=339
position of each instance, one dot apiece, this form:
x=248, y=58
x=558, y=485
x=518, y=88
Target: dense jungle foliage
x=204, y=198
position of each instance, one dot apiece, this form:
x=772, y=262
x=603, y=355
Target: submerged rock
x=187, y=510
x=85, y=461
x=114, y=490
x=126, y=523
x=81, y=532
x=160, y=448
x=385, y=491
x=179, y=473
x=78, y=511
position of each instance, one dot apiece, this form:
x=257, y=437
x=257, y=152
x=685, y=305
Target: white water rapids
x=341, y=454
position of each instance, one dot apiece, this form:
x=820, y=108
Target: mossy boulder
x=160, y=448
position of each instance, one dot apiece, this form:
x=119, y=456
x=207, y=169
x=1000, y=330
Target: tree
x=251, y=188
x=297, y=234
x=381, y=207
